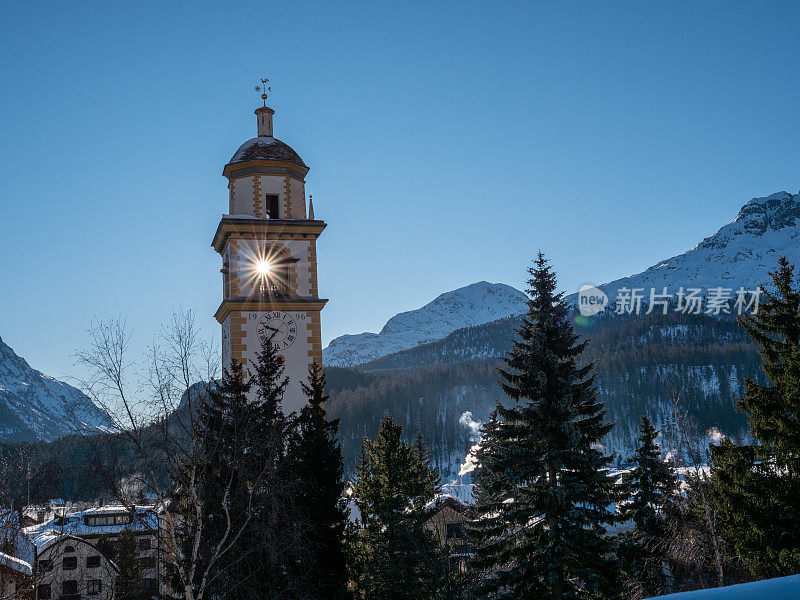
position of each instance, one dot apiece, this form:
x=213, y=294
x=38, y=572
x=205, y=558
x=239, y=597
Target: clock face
x=277, y=327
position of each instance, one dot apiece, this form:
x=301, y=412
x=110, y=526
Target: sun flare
x=264, y=267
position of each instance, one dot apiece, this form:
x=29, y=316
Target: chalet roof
x=16, y=564
x=74, y=524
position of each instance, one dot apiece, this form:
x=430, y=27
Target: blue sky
x=448, y=142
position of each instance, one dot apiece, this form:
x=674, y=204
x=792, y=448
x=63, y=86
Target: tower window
x=272, y=206
x=276, y=282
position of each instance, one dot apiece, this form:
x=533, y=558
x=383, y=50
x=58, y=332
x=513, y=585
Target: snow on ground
x=782, y=588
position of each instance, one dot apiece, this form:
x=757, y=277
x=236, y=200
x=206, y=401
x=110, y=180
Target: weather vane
x=264, y=89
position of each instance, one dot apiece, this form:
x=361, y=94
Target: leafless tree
x=689, y=446
x=155, y=410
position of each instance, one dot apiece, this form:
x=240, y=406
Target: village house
x=447, y=521
x=75, y=553
x=72, y=568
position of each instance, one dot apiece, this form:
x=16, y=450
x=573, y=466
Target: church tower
x=268, y=244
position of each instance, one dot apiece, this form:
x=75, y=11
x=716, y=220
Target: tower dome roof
x=266, y=148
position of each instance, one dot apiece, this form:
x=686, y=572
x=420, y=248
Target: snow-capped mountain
x=740, y=254
x=34, y=406
x=474, y=304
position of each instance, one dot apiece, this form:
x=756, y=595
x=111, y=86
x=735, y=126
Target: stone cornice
x=265, y=229
x=257, y=304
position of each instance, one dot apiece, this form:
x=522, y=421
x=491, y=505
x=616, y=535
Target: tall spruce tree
x=774, y=409
x=757, y=488
x=279, y=531
x=750, y=504
x=396, y=558
x=543, y=493
x=651, y=486
x=317, y=465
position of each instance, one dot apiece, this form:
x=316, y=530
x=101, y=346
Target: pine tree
x=317, y=465
x=758, y=488
x=396, y=557
x=746, y=498
x=651, y=485
x=774, y=409
x=128, y=583
x=427, y=473
x=279, y=529
x=543, y=492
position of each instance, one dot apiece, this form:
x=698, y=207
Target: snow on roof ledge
x=781, y=588
x=16, y=564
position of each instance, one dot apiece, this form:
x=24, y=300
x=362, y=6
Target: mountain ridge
x=37, y=407
x=740, y=254
x=474, y=304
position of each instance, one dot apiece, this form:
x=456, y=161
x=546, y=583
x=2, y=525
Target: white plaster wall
x=296, y=356
x=272, y=184
x=242, y=196
x=244, y=202
x=82, y=573
x=298, y=191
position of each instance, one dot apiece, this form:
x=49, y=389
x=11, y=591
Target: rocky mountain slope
x=740, y=254
x=474, y=304
x=35, y=407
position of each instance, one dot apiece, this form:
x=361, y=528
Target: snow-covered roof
x=16, y=564
x=446, y=500
x=13, y=540
x=45, y=534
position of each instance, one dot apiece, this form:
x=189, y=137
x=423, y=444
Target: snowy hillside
x=474, y=304
x=34, y=406
x=740, y=254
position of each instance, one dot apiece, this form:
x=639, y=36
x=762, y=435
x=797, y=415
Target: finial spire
x=264, y=113
x=310, y=208
x=263, y=88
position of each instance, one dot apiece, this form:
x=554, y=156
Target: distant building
x=94, y=571
x=447, y=521
x=16, y=559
